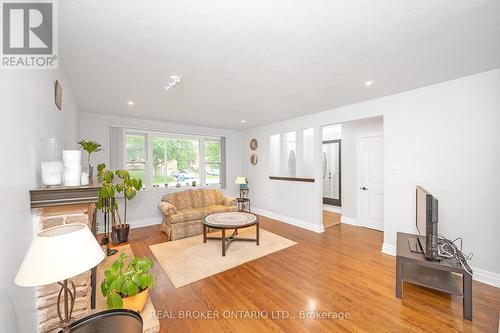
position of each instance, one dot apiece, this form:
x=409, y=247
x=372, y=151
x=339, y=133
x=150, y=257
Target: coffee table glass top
x=230, y=219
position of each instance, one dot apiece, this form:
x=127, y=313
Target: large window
x=135, y=155
x=212, y=162
x=175, y=161
x=165, y=160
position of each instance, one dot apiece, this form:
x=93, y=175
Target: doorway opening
x=353, y=173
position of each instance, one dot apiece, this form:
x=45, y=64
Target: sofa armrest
x=228, y=201
x=167, y=208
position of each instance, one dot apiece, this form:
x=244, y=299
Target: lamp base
x=65, y=314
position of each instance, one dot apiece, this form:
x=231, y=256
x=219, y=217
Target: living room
x=190, y=139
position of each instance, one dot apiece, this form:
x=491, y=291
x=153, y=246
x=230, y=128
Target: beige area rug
x=189, y=260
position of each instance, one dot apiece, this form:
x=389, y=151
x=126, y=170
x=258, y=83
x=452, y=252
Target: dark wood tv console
x=414, y=268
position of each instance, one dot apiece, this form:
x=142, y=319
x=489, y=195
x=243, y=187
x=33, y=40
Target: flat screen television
x=427, y=223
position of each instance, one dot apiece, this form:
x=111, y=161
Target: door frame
x=359, y=176
x=331, y=201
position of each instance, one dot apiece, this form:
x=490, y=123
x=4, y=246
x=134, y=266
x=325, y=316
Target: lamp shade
x=240, y=180
x=57, y=254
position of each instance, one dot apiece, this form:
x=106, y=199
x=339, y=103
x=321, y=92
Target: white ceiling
x=264, y=60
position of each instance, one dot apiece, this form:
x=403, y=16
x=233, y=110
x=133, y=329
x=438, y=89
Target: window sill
x=179, y=189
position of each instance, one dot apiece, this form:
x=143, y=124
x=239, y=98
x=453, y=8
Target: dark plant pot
x=120, y=234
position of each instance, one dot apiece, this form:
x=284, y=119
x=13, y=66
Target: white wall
x=444, y=137
x=143, y=210
x=350, y=189
x=28, y=115
x=332, y=132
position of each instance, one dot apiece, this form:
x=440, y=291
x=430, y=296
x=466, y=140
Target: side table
x=241, y=203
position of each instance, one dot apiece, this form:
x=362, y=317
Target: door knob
x=363, y=188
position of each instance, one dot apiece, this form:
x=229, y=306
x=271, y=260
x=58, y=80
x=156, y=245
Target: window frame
x=148, y=142
x=146, y=153
x=205, y=162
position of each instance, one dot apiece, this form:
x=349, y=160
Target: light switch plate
x=395, y=170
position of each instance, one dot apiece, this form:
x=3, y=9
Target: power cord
x=448, y=249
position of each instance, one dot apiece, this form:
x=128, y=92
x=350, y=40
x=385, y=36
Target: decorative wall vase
x=254, y=144
x=253, y=159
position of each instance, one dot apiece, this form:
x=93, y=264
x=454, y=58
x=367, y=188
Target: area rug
x=189, y=260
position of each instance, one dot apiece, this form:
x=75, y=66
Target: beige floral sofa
x=184, y=211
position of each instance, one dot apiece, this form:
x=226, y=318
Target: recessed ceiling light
x=130, y=103
x=243, y=121
x=369, y=83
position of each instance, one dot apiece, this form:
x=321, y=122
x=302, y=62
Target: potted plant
x=129, y=187
x=127, y=288
x=90, y=147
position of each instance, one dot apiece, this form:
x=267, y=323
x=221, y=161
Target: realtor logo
x=29, y=35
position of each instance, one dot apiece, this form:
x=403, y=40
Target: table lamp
x=56, y=255
x=240, y=180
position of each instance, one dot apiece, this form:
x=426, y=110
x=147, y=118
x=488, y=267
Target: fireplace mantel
x=64, y=195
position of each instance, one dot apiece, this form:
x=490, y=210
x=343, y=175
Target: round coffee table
x=230, y=220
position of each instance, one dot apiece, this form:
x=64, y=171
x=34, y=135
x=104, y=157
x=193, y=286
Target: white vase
x=52, y=173
x=72, y=167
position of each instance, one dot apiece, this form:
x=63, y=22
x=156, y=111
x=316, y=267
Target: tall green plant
x=129, y=187
x=90, y=147
x=120, y=283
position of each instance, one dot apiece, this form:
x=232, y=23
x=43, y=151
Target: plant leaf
x=130, y=193
x=130, y=288
x=137, y=184
x=104, y=288
x=114, y=301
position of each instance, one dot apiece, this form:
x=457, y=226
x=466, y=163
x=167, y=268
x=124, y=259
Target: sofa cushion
x=218, y=209
x=181, y=200
x=189, y=214
x=212, y=197
x=192, y=214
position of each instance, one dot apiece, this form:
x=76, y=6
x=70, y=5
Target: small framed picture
x=253, y=159
x=254, y=144
x=58, y=95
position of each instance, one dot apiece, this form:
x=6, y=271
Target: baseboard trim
x=487, y=277
x=349, y=220
x=480, y=275
x=389, y=249
x=289, y=220
x=140, y=223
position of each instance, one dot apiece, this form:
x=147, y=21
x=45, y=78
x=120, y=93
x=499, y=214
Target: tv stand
x=438, y=275
x=414, y=245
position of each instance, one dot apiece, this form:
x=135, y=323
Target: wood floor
x=340, y=270
x=330, y=219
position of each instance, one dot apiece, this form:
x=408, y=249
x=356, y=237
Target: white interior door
x=371, y=180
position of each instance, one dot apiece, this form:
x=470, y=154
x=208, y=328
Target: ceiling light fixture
x=243, y=121
x=131, y=103
x=369, y=83
x=173, y=81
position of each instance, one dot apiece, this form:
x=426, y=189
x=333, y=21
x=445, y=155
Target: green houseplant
x=126, y=185
x=127, y=288
x=90, y=147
